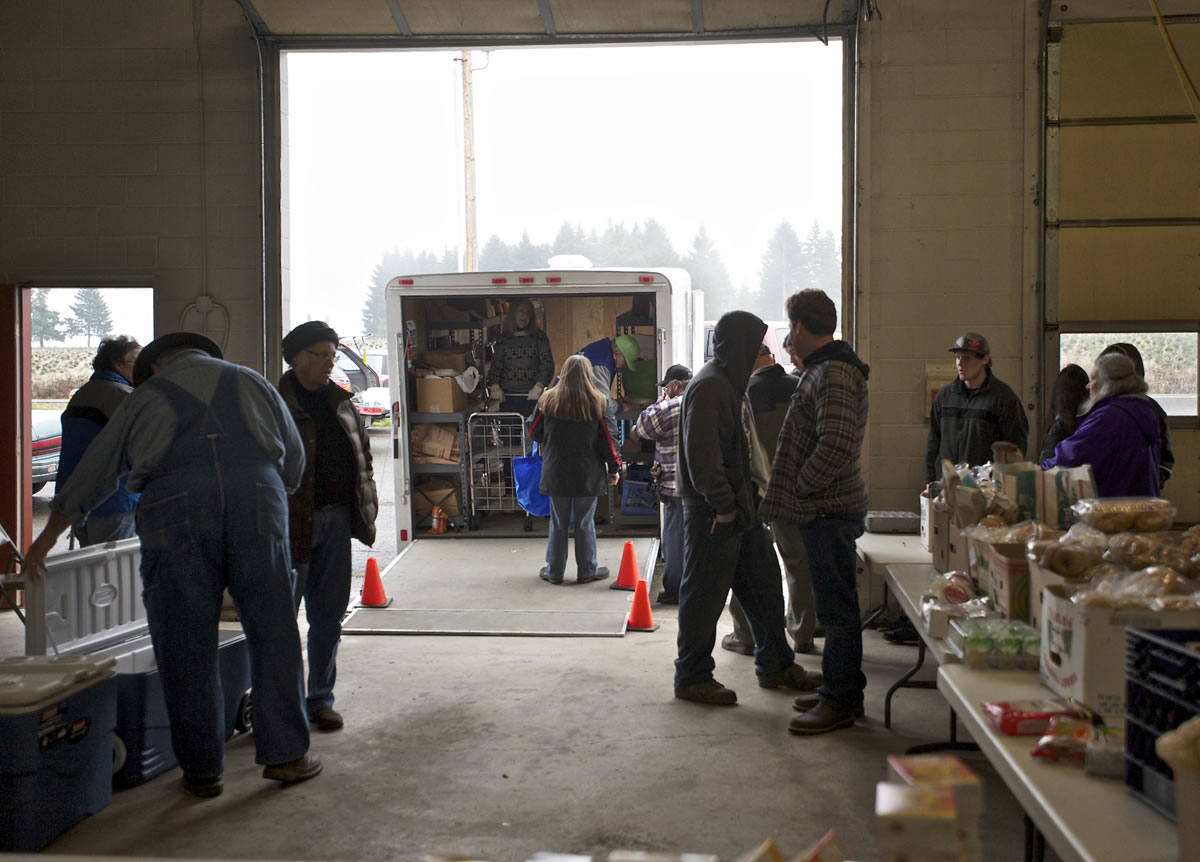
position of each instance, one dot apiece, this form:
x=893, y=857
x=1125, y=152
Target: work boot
x=822, y=718
x=805, y=702
x=794, y=677
x=544, y=574
x=205, y=788
x=731, y=643
x=326, y=718
x=293, y=772
x=710, y=691
x=600, y=574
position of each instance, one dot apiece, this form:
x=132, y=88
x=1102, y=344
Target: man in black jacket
x=725, y=541
x=975, y=411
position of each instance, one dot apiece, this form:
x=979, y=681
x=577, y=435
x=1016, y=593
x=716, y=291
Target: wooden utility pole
x=471, y=253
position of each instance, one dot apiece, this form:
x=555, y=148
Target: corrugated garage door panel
x=622, y=16
x=1125, y=172
x=473, y=17
x=1123, y=70
x=344, y=18
x=1129, y=273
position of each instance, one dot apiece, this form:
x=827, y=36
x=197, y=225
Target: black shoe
x=793, y=677
x=598, y=575
x=904, y=634
x=326, y=718
x=664, y=599
x=205, y=788
x=805, y=702
x=819, y=632
x=710, y=691
x=731, y=643
x=544, y=574
x=822, y=718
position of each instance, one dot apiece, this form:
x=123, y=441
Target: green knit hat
x=629, y=348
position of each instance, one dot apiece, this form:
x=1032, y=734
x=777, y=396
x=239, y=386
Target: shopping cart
x=493, y=440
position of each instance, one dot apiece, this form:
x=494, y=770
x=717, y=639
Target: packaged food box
x=1028, y=717
x=996, y=644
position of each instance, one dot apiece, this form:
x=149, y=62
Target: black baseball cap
x=972, y=342
x=676, y=372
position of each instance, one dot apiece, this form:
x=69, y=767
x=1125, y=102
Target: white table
x=877, y=551
x=1083, y=818
x=908, y=583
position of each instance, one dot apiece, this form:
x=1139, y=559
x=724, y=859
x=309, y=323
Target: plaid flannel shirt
x=817, y=468
x=660, y=422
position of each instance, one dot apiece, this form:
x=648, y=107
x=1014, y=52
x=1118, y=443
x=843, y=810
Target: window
x=1170, y=360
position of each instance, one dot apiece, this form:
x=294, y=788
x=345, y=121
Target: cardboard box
x=1039, y=578
x=949, y=545
x=436, y=491
x=925, y=526
x=1002, y=572
x=440, y=395
x=436, y=443
x=1083, y=648
x=451, y=357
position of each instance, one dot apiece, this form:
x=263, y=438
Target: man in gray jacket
x=816, y=501
x=726, y=543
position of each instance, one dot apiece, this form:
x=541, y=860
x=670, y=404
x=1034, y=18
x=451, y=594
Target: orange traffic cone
x=372, y=594
x=627, y=577
x=640, y=617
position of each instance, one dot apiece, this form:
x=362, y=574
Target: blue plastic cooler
x=57, y=717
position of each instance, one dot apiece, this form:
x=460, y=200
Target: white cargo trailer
x=450, y=319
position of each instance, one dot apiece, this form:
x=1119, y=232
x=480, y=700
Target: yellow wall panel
x=1123, y=70
x=1129, y=273
x=1184, y=488
x=1140, y=171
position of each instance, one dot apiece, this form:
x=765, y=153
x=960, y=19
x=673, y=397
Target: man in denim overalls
x=213, y=451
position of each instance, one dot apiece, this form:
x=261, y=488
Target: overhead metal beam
x=547, y=17
x=697, y=16
x=398, y=17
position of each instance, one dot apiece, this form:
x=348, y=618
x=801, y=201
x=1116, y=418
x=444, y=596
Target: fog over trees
x=788, y=264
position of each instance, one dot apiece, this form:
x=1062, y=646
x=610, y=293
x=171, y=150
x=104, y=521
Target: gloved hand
x=496, y=393
x=536, y=392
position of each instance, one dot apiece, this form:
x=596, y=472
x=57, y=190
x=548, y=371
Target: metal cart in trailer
x=493, y=440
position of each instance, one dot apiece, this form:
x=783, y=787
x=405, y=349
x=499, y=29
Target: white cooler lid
x=28, y=680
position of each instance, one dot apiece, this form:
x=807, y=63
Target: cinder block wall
x=941, y=212
x=129, y=157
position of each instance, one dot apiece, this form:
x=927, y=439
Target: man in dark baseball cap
x=975, y=411
x=680, y=373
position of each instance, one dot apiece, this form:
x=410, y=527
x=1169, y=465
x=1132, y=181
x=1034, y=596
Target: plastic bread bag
x=1066, y=740
x=1155, y=588
x=1141, y=550
x=1120, y=514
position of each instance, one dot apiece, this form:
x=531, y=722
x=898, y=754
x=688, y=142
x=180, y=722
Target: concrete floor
x=500, y=747
x=496, y=748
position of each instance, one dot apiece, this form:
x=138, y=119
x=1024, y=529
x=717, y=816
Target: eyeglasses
x=326, y=355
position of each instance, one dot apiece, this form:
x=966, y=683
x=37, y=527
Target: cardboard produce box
x=1001, y=571
x=949, y=545
x=451, y=357
x=440, y=395
x=1039, y=578
x=1083, y=647
x=433, y=491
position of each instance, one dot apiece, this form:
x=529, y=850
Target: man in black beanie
x=336, y=501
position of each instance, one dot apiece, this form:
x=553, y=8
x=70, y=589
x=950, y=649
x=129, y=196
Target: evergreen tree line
x=788, y=264
x=89, y=317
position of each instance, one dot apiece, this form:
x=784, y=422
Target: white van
x=443, y=324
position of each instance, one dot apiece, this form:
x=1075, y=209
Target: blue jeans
x=324, y=584
x=829, y=543
x=672, y=544
x=714, y=560
x=561, y=509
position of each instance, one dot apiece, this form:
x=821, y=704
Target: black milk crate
x=1162, y=691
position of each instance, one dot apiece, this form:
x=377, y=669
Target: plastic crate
x=636, y=496
x=1162, y=691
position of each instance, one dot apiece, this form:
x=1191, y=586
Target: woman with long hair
x=522, y=361
x=1119, y=434
x=578, y=458
x=1070, y=391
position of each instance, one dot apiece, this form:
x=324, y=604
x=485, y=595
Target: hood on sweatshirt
x=839, y=351
x=736, y=339
x=1140, y=411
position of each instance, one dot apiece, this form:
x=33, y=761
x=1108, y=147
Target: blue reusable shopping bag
x=527, y=472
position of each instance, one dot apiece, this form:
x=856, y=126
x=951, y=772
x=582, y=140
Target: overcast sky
x=732, y=137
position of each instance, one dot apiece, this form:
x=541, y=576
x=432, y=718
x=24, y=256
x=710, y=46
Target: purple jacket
x=1121, y=439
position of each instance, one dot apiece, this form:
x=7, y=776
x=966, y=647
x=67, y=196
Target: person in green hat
x=608, y=356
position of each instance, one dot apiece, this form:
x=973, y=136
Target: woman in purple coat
x=1119, y=435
